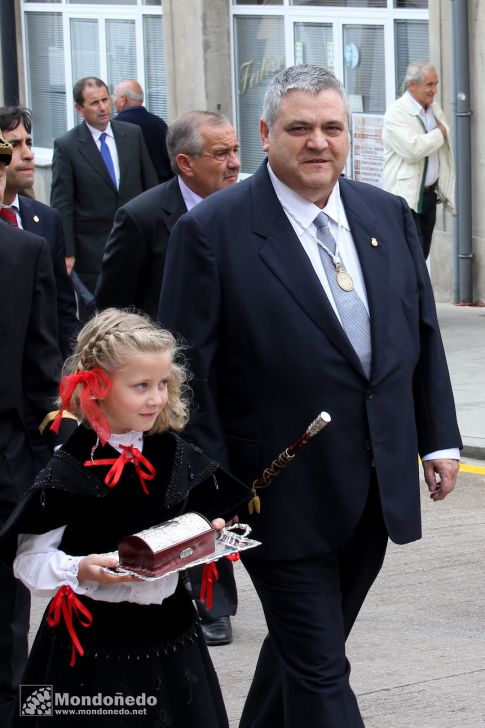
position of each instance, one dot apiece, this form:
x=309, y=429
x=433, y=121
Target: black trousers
x=425, y=220
x=17, y=472
x=310, y=605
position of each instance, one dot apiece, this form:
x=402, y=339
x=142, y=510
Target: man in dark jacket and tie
x=272, y=344
x=97, y=167
x=31, y=215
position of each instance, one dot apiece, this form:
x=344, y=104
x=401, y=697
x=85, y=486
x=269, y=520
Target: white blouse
x=43, y=568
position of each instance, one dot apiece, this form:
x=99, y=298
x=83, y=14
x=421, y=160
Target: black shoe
x=217, y=631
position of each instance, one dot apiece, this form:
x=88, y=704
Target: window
x=343, y=3
x=410, y=44
x=120, y=51
x=364, y=67
x=46, y=77
x=259, y=55
x=410, y=3
x=155, y=84
x=86, y=38
x=314, y=44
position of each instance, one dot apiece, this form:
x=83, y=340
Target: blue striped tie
x=353, y=314
x=107, y=159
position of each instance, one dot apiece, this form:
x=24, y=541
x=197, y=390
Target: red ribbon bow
x=144, y=468
x=210, y=575
x=96, y=385
x=65, y=604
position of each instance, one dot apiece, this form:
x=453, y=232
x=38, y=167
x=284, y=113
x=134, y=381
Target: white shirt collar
x=128, y=439
x=191, y=198
x=96, y=133
x=304, y=212
x=418, y=107
x=14, y=205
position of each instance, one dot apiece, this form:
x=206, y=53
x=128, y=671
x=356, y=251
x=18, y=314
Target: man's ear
x=264, y=134
x=79, y=110
x=184, y=164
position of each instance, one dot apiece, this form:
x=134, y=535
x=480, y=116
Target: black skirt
x=144, y=666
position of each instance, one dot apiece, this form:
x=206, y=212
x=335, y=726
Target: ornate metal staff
x=284, y=459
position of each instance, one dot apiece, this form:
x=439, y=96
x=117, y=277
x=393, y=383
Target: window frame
x=101, y=13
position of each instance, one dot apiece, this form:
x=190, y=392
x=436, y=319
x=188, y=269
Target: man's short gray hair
x=415, y=72
x=302, y=78
x=184, y=137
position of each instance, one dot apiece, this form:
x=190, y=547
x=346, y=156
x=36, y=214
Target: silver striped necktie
x=353, y=314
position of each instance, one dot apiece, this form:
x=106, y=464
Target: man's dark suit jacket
x=44, y=221
x=155, y=133
x=29, y=367
x=30, y=359
x=269, y=354
x=134, y=257
x=85, y=196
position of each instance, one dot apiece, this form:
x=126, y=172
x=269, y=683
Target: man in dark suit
x=31, y=215
x=97, y=167
x=29, y=367
x=203, y=150
x=253, y=283
x=128, y=102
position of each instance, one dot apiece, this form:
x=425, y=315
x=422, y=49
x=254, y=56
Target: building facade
x=220, y=54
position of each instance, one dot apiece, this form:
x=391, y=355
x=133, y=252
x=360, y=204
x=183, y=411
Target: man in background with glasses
x=204, y=154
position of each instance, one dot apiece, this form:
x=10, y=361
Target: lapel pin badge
x=36, y=218
x=374, y=243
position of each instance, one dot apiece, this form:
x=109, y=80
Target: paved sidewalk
x=417, y=650
x=463, y=331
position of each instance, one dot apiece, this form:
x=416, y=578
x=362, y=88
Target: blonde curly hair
x=114, y=334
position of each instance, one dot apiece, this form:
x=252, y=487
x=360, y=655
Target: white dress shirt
x=191, y=198
x=301, y=214
x=110, y=141
x=43, y=568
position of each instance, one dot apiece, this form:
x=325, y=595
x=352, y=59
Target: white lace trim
x=128, y=439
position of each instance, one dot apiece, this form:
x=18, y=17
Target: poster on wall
x=367, y=148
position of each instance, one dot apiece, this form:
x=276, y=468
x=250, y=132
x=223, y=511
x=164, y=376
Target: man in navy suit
x=265, y=325
x=128, y=102
x=29, y=368
x=204, y=150
x=31, y=215
x=97, y=167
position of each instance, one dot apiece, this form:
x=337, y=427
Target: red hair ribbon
x=96, y=385
x=144, y=468
x=210, y=575
x=65, y=604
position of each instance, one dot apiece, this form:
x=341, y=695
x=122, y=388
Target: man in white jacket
x=418, y=163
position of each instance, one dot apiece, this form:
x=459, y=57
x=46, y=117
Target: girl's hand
x=219, y=524
x=91, y=569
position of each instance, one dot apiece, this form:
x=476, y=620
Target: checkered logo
x=36, y=700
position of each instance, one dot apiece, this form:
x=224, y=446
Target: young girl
x=129, y=645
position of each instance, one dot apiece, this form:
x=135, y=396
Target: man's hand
x=440, y=476
x=443, y=131
x=70, y=261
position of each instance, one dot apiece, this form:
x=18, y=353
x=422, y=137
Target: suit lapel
x=123, y=146
x=173, y=206
x=89, y=150
x=283, y=254
x=373, y=254
x=30, y=221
